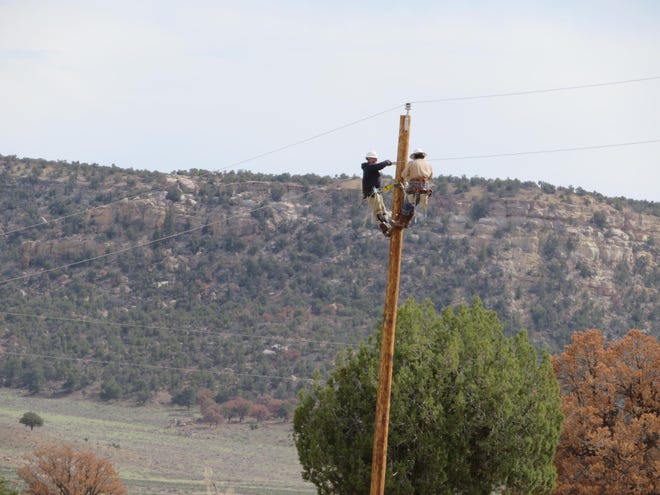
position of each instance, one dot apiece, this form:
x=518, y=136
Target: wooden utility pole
x=379, y=463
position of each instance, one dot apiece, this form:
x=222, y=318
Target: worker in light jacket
x=416, y=176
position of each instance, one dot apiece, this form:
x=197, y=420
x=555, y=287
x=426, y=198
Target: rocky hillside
x=128, y=282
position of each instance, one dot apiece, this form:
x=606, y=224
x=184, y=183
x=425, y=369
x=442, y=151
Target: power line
x=154, y=241
x=106, y=255
x=443, y=100
x=537, y=91
x=467, y=157
x=554, y=150
x=200, y=227
x=85, y=321
x=152, y=366
x=299, y=142
x=311, y=138
x=59, y=219
x=87, y=210
x=368, y=117
x=492, y=95
x=169, y=329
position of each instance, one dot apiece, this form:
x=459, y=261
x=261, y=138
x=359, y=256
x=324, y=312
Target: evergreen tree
x=471, y=411
x=34, y=379
x=6, y=488
x=31, y=419
x=110, y=389
x=185, y=397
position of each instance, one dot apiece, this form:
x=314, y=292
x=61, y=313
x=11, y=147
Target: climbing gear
x=384, y=224
x=392, y=186
x=403, y=221
x=418, y=186
x=385, y=228
x=374, y=191
x=372, y=154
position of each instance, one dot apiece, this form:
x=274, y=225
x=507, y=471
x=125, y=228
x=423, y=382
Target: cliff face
x=299, y=257
x=584, y=249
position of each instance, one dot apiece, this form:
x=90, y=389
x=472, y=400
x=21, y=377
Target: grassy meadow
x=158, y=449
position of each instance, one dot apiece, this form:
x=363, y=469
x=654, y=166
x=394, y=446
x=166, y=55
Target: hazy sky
x=164, y=85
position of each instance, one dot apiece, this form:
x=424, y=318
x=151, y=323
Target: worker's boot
x=403, y=221
x=384, y=224
x=385, y=228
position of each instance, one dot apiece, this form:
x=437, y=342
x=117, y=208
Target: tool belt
x=374, y=191
x=419, y=186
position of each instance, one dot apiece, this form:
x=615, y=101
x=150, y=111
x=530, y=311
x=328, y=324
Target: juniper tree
x=31, y=419
x=472, y=411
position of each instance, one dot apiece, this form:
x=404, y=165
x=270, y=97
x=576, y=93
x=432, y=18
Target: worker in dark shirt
x=371, y=190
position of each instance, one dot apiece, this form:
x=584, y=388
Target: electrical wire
x=537, y=91
x=170, y=368
x=151, y=366
x=302, y=141
x=81, y=212
x=555, y=150
x=87, y=210
x=444, y=100
x=311, y=138
x=170, y=329
x=377, y=114
x=200, y=227
x=154, y=241
x=106, y=255
x=448, y=158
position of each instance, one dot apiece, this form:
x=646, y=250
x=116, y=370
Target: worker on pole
x=371, y=190
x=416, y=178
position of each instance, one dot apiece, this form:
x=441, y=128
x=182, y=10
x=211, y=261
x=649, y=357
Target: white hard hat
x=372, y=154
x=418, y=151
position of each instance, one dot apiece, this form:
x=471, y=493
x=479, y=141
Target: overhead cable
x=152, y=366
x=537, y=91
x=437, y=100
x=64, y=217
x=311, y=138
x=153, y=241
x=169, y=329
x=443, y=100
x=83, y=211
x=554, y=150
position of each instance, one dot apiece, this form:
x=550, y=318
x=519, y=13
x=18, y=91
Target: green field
x=158, y=449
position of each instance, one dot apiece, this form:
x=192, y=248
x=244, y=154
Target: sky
x=311, y=86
